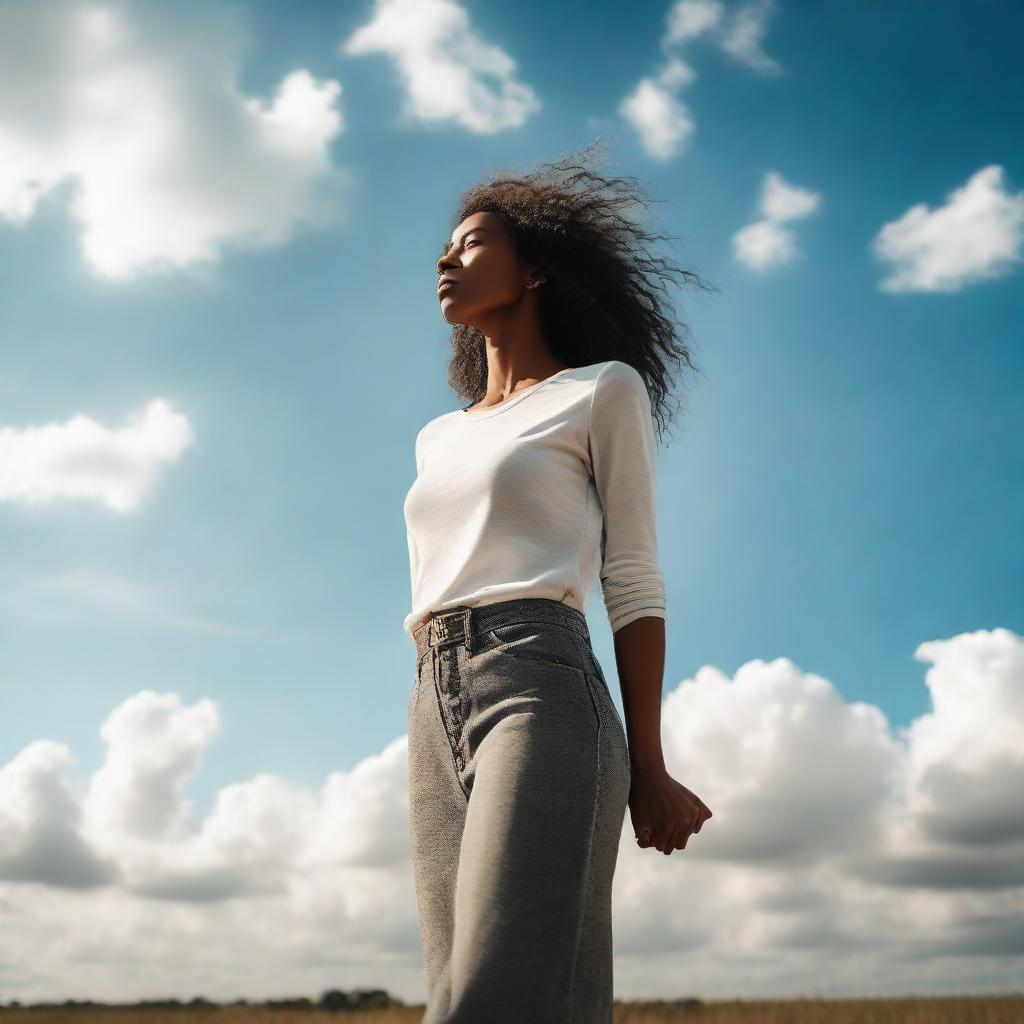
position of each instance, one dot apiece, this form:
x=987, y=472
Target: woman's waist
x=461, y=624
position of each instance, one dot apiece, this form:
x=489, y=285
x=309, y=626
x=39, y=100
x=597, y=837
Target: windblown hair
x=600, y=299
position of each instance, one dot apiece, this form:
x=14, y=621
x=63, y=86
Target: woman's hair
x=600, y=298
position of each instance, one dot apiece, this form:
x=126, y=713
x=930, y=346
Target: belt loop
x=438, y=629
x=444, y=627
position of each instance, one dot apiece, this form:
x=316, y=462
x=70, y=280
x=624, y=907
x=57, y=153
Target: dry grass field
x=943, y=1010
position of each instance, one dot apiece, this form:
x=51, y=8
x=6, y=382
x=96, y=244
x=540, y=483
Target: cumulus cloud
x=449, y=72
x=959, y=789
x=40, y=823
x=653, y=108
x=843, y=855
x=661, y=120
x=136, y=108
x=274, y=887
x=977, y=235
x=153, y=746
x=768, y=243
x=81, y=458
x=769, y=808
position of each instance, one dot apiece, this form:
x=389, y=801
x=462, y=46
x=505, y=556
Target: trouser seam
x=589, y=857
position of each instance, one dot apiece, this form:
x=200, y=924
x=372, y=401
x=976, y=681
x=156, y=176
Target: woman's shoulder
x=608, y=372
x=434, y=423
x=615, y=377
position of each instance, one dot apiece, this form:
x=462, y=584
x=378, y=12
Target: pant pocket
x=414, y=688
x=536, y=641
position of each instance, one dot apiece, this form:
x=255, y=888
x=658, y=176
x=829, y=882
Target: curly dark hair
x=600, y=300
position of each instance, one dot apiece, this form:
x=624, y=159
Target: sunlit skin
x=497, y=292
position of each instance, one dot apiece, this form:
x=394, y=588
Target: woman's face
x=486, y=269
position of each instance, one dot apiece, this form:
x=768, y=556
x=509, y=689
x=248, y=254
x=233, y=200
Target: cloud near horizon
x=900, y=852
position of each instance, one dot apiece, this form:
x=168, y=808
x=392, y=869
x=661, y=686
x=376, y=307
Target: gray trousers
x=519, y=779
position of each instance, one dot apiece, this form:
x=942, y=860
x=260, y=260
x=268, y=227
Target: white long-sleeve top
x=536, y=496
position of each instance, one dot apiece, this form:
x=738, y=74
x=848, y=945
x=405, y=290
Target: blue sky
x=219, y=336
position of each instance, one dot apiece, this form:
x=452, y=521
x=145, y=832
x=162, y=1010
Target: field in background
x=943, y=1010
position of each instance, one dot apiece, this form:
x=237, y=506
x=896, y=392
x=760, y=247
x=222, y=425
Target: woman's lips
x=444, y=286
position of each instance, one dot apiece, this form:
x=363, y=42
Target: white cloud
x=842, y=856
x=358, y=824
x=965, y=773
x=781, y=201
x=40, y=823
x=653, y=108
x=977, y=235
x=744, y=34
x=663, y=122
x=153, y=745
x=688, y=19
x=449, y=72
x=766, y=243
x=275, y=884
x=83, y=459
x=768, y=807
x=137, y=107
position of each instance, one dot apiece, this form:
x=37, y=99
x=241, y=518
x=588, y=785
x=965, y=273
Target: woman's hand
x=664, y=811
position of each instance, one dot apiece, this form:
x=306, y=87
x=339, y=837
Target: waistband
x=460, y=624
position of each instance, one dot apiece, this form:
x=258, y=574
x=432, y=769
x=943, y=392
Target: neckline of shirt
x=517, y=397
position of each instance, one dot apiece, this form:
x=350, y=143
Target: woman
x=519, y=769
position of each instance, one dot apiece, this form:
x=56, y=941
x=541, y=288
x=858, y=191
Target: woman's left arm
x=621, y=438
x=664, y=812
x=640, y=659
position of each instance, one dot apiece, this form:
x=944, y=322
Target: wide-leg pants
x=519, y=779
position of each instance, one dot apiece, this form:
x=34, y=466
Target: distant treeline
x=332, y=999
